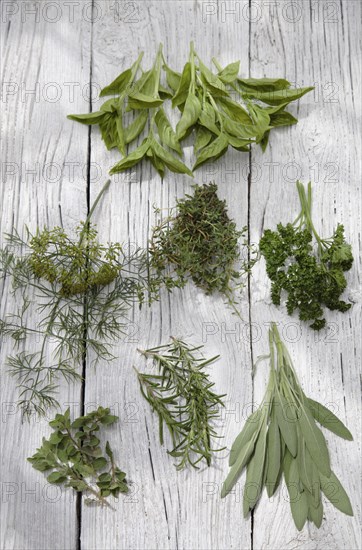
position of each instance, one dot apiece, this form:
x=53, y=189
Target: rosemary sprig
x=81, y=292
x=199, y=241
x=282, y=438
x=73, y=456
x=182, y=397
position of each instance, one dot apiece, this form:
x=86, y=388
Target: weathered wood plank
x=166, y=509
x=321, y=47
x=41, y=62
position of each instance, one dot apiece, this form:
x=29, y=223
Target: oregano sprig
x=281, y=438
x=73, y=456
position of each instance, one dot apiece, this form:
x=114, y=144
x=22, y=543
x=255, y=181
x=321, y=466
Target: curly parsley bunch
x=311, y=278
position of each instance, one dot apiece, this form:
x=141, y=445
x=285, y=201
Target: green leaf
x=79, y=422
x=238, y=465
x=327, y=419
x=56, y=477
x=279, y=96
x=336, y=494
x=212, y=81
x=286, y=423
x=315, y=442
x=170, y=161
x=274, y=458
x=173, y=78
x=183, y=88
x=132, y=159
x=88, y=118
x=315, y=513
x=109, y=419
x=99, y=463
x=263, y=84
x=207, y=119
x=212, y=151
x=235, y=111
x=282, y=119
x=140, y=100
x=166, y=132
x=304, y=464
x=118, y=85
x=135, y=128
x=202, y=138
x=109, y=451
x=230, y=72
x=189, y=117
x=254, y=475
x=121, y=138
x=298, y=499
x=252, y=424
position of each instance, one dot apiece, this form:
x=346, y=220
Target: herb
x=282, y=437
x=182, y=397
x=143, y=97
x=80, y=293
x=75, y=458
x=221, y=109
x=311, y=279
x=199, y=241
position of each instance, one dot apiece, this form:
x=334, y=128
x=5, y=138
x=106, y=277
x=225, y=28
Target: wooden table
x=56, y=57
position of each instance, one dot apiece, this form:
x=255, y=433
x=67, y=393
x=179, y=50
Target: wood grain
x=52, y=169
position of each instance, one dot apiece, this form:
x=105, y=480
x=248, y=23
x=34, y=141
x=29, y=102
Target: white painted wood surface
x=60, y=53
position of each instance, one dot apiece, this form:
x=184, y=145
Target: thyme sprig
x=282, y=438
x=199, y=241
x=182, y=397
x=311, y=278
x=80, y=292
x=73, y=456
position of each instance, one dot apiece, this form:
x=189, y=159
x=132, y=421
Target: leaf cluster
x=73, y=456
x=181, y=395
x=311, y=278
x=199, y=241
x=282, y=438
x=207, y=106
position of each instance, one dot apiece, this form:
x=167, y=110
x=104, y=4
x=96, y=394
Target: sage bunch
x=282, y=438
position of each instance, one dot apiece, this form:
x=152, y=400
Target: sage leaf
x=252, y=425
x=336, y=494
x=315, y=442
x=287, y=427
x=212, y=151
x=254, y=476
x=190, y=115
x=315, y=513
x=238, y=465
x=274, y=458
x=327, y=419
